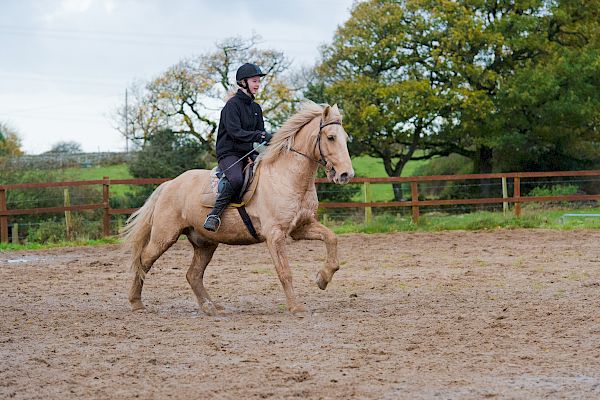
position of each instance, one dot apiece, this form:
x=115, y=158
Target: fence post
x=4, y=218
x=15, y=234
x=414, y=191
x=504, y=195
x=105, y=203
x=368, y=199
x=68, y=219
x=517, y=195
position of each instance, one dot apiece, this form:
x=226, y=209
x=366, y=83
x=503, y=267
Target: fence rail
x=367, y=204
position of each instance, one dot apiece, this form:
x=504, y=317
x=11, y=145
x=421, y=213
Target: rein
x=322, y=161
x=244, y=156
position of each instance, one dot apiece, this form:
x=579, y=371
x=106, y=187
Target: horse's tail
x=136, y=233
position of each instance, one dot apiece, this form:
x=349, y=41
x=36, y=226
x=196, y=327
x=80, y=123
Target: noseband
x=322, y=161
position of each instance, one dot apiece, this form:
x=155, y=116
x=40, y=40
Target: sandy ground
x=452, y=315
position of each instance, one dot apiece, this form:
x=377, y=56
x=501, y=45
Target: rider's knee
x=236, y=184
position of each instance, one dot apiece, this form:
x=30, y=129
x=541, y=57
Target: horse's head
x=316, y=133
x=332, y=146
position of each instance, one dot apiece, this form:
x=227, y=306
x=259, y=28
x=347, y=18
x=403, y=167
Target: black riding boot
x=213, y=220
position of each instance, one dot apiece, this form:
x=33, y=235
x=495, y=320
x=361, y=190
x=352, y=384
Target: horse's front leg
x=277, y=248
x=317, y=231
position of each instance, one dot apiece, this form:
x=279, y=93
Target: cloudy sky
x=65, y=64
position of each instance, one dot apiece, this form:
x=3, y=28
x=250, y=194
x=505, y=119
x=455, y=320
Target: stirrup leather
x=209, y=225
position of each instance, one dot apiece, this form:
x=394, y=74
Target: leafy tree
x=10, y=143
x=531, y=70
x=373, y=69
x=551, y=114
x=65, y=147
x=507, y=84
x=187, y=96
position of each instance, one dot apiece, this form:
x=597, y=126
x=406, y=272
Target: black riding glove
x=265, y=137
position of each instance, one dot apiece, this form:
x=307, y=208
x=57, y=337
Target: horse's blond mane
x=283, y=139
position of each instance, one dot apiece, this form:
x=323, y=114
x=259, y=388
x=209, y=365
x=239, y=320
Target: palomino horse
x=284, y=205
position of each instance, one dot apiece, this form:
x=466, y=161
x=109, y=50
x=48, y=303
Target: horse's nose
x=344, y=177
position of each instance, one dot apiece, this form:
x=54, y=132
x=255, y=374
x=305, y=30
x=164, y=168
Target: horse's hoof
x=210, y=309
x=299, y=311
x=321, y=282
x=137, y=306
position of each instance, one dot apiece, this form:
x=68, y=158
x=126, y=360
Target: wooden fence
x=367, y=204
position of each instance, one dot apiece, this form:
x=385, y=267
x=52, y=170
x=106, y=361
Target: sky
x=65, y=64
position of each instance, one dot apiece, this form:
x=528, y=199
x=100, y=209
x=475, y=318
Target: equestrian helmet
x=248, y=70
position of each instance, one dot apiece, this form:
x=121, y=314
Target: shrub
x=49, y=231
x=554, y=190
x=53, y=229
x=165, y=155
x=454, y=164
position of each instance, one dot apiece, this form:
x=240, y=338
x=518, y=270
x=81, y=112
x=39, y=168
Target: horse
x=284, y=204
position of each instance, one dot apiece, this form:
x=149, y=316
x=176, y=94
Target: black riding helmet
x=245, y=72
x=248, y=71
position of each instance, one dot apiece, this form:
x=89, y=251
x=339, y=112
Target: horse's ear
x=326, y=112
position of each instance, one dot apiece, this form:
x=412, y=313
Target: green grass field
x=119, y=171
x=365, y=166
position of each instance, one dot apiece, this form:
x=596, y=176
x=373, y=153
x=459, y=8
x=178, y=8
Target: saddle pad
x=250, y=183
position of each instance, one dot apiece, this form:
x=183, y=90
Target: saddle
x=216, y=185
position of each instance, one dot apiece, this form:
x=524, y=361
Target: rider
x=240, y=126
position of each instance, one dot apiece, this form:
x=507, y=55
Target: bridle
x=322, y=161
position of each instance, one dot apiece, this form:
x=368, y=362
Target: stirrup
x=212, y=223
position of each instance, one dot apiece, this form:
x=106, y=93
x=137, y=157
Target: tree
x=373, y=70
x=10, y=142
x=551, y=109
x=186, y=97
x=167, y=155
x=65, y=147
x=500, y=82
x=529, y=67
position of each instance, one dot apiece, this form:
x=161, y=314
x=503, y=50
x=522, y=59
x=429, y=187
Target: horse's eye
x=331, y=138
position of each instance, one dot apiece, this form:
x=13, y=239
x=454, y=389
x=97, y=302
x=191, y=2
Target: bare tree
x=187, y=97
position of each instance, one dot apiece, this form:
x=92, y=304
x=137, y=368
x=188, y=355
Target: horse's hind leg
x=158, y=244
x=203, y=252
x=317, y=231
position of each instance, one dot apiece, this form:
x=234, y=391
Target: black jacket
x=240, y=125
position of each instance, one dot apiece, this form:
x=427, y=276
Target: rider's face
x=254, y=84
